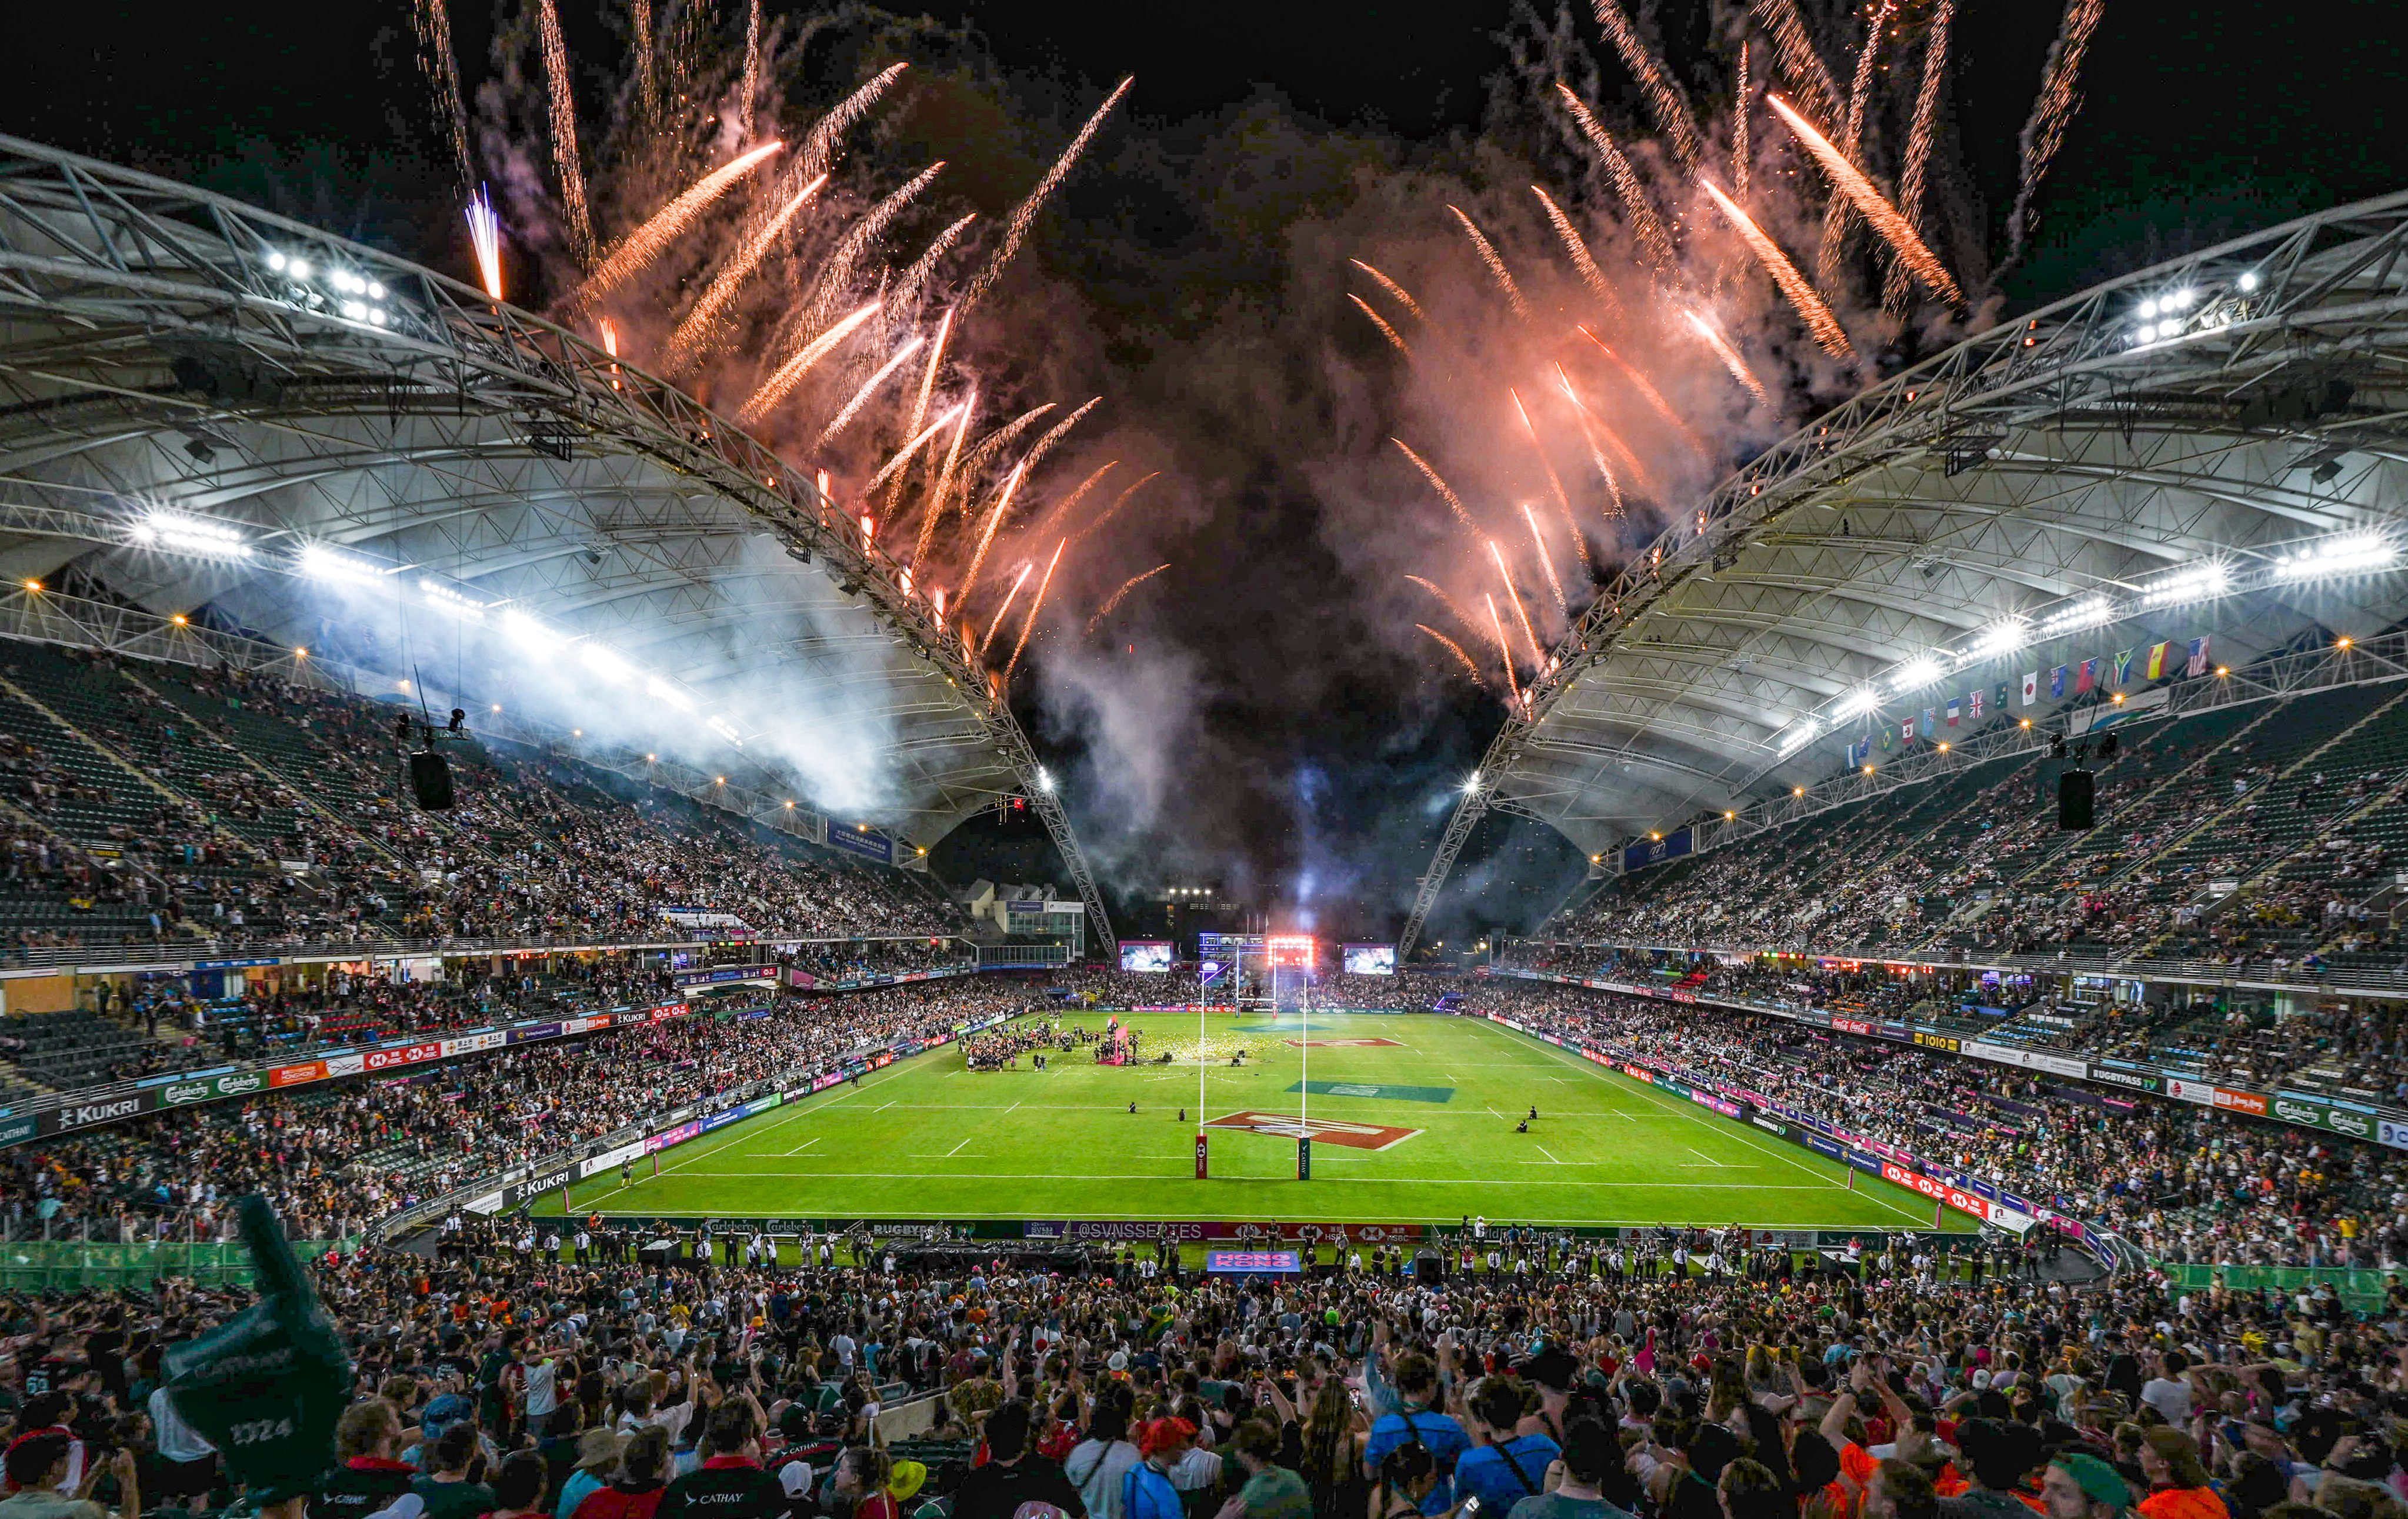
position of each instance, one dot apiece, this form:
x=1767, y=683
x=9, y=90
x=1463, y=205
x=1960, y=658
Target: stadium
x=1744, y=857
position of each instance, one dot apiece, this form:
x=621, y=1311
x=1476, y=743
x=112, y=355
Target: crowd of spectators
x=248, y=810
x=488, y=1380
x=2187, y=1183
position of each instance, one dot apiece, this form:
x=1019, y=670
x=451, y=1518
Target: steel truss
x=156, y=353
x=2059, y=457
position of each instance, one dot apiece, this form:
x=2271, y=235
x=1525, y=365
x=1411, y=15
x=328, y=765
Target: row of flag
x=2118, y=671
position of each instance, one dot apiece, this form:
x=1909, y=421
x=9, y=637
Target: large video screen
x=1147, y=957
x=1370, y=959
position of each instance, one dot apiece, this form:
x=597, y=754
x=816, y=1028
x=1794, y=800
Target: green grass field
x=1432, y=1115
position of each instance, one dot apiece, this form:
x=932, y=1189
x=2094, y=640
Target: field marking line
x=1675, y=1105
x=1707, y=1158
x=805, y=1144
x=1550, y=1155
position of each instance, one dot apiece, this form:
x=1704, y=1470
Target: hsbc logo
x=407, y=1055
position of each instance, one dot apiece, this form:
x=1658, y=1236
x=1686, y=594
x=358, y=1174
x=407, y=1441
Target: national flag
x=2057, y=683
x=2032, y=687
x=2158, y=659
x=1952, y=711
x=2085, y=676
x=1930, y=721
x=1885, y=737
x=2124, y=667
x=1999, y=706
x=1973, y=704
x=2197, y=662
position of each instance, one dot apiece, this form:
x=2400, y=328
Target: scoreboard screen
x=1147, y=957
x=1251, y=1262
x=1370, y=959
x=1290, y=951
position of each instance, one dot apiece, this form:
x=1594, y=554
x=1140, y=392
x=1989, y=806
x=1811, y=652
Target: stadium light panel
x=660, y=690
x=1856, y=702
x=528, y=633
x=178, y=533
x=320, y=562
x=604, y=662
x=452, y=601
x=2089, y=612
x=2248, y=281
x=2003, y=638
x=2198, y=582
x=1916, y=673
x=1800, y=734
x=2349, y=553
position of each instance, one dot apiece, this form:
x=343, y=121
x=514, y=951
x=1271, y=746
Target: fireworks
x=1453, y=648
x=2045, y=130
x=442, y=67
x=1385, y=331
x=1731, y=358
x=1504, y=651
x=1043, y=584
x=936, y=508
x=1670, y=111
x=486, y=237
x=1010, y=596
x=751, y=98
x=1810, y=306
x=1446, y=492
x=1453, y=610
x=923, y=269
x=790, y=374
x=1799, y=62
x=1112, y=602
x=1389, y=285
x=821, y=143
x=1555, y=484
x=1591, y=276
x=1740, y=117
x=1069, y=504
x=564, y=134
x=1883, y=217
x=695, y=328
x=1118, y=502
x=1592, y=427
x=1835, y=213
x=903, y=454
x=836, y=278
x=1546, y=563
x=1520, y=613
x=987, y=448
x=1918, y=141
x=1016, y=232
x=1054, y=435
x=654, y=238
x=1496, y=262
x=986, y=539
x=868, y=387
x=1635, y=204
x=1640, y=383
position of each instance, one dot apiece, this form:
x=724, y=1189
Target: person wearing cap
x=448, y=1490
x=597, y=1458
x=2082, y=1486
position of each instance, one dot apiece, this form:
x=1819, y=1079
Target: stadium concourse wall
x=2373, y=1122
x=96, y=1107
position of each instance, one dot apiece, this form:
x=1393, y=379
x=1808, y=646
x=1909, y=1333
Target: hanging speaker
x=2073, y=796
x=430, y=781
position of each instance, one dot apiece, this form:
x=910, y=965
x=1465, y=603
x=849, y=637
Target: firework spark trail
x=696, y=329
x=1392, y=288
x=1035, y=607
x=1377, y=321
x=837, y=275
x=648, y=88
x=1895, y=286
x=1010, y=596
x=1647, y=389
x=868, y=387
x=1546, y=560
x=749, y=100
x=1069, y=504
x=985, y=449
x=1895, y=229
x=1590, y=427
x=1652, y=232
x=1016, y=232
x=1504, y=651
x=1672, y=112
x=1118, y=502
x=929, y=376
x=1591, y=276
x=1730, y=356
x=485, y=236
x=564, y=136
x=1457, y=650
x=1799, y=62
x=1738, y=123
x=1054, y=435
x=1112, y=602
x=915, y=279
x=442, y=67
x=986, y=539
x=1537, y=657
x=1830, y=253
x=1812, y=308
x=819, y=146
x=903, y=454
x=1447, y=601
x=1445, y=492
x=655, y=237
x=934, y=512
x=2044, y=132
x=790, y=374
x=1554, y=483
x=1496, y=262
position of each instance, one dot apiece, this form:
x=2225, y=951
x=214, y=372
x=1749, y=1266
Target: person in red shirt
x=2178, y=1480
x=635, y=1492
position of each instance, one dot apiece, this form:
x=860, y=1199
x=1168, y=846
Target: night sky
x=1317, y=769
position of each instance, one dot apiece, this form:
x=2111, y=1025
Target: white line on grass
x=805, y=1145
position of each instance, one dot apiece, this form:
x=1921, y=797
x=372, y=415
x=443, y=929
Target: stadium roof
x=2216, y=446
x=332, y=450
